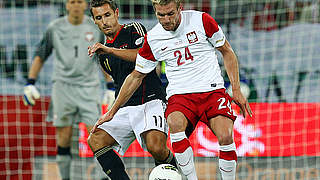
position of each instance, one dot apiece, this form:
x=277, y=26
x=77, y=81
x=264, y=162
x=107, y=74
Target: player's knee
x=175, y=126
x=225, y=139
x=177, y=122
x=64, y=140
x=158, y=150
x=91, y=141
x=97, y=140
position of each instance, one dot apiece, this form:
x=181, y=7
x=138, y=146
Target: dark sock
x=64, y=162
x=64, y=150
x=169, y=160
x=111, y=164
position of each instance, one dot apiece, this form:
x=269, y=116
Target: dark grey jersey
x=69, y=43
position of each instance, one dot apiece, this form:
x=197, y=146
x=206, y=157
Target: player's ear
x=180, y=7
x=67, y=5
x=86, y=5
x=116, y=12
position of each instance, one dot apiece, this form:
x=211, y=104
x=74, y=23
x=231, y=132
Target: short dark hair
x=165, y=2
x=99, y=3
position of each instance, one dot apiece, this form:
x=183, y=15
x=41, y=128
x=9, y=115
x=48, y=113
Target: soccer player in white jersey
x=76, y=85
x=186, y=41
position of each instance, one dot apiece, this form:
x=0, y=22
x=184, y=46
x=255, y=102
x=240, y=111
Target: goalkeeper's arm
x=30, y=91
x=35, y=67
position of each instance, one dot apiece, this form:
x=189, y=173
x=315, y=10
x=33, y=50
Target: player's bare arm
x=232, y=68
x=130, y=85
x=35, y=67
x=125, y=54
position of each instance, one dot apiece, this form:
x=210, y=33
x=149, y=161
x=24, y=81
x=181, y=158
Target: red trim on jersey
x=123, y=45
x=180, y=146
x=145, y=51
x=209, y=24
x=115, y=37
x=136, y=33
x=228, y=155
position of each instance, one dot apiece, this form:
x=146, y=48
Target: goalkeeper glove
x=109, y=94
x=30, y=93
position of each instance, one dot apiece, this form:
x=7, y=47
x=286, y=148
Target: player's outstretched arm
x=232, y=68
x=130, y=85
x=125, y=54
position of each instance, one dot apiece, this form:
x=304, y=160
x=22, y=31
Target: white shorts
x=130, y=122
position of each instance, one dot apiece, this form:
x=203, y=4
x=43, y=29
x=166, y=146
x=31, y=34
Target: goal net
x=277, y=43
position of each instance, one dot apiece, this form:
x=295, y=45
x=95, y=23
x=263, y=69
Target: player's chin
x=168, y=28
x=108, y=32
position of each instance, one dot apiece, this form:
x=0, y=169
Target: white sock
x=184, y=154
x=228, y=161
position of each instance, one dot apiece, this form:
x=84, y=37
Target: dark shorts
x=201, y=106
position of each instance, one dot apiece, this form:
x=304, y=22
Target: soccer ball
x=244, y=88
x=165, y=172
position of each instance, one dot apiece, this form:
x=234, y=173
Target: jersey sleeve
x=145, y=61
x=213, y=31
x=44, y=48
x=138, y=33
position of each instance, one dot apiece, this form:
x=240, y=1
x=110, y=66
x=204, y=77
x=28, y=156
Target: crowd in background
x=265, y=14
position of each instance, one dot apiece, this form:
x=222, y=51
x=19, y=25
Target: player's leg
x=223, y=128
x=63, y=115
x=88, y=100
x=181, y=145
x=101, y=144
x=63, y=158
x=220, y=120
x=151, y=130
x=115, y=134
x=99, y=172
x=156, y=142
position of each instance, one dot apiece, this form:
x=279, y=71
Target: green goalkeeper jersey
x=69, y=43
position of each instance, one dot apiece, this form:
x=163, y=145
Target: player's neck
x=178, y=24
x=75, y=20
x=110, y=37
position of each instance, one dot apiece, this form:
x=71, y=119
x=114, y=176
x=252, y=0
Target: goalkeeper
x=76, y=84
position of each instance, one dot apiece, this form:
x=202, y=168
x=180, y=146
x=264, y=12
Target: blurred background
x=278, y=47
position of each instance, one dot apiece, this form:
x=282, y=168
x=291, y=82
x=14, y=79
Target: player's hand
x=104, y=118
x=30, y=95
x=242, y=102
x=99, y=49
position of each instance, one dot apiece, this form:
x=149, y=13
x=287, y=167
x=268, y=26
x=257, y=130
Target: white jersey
x=189, y=54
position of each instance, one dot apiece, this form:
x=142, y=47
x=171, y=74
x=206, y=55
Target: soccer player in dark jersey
x=142, y=117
